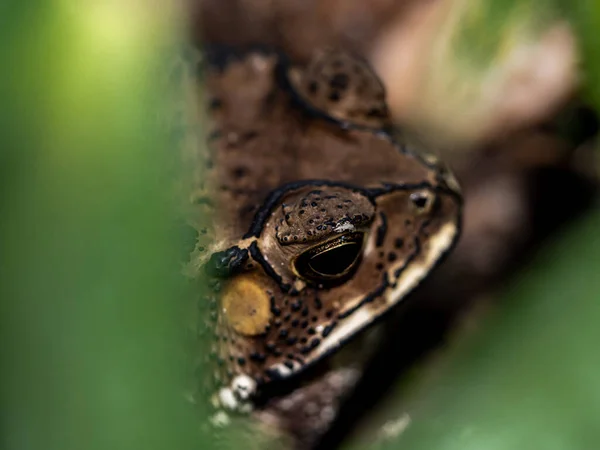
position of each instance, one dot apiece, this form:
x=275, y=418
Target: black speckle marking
x=273, y=374
x=274, y=309
x=239, y=172
x=311, y=346
x=328, y=329
x=215, y=103
x=271, y=347
x=313, y=87
x=381, y=230
x=376, y=113
x=392, y=257
x=399, y=243
x=258, y=357
x=318, y=303
x=334, y=96
x=415, y=246
x=283, y=333
x=339, y=81
x=248, y=136
x=241, y=361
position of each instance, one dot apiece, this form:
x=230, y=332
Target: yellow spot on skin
x=246, y=306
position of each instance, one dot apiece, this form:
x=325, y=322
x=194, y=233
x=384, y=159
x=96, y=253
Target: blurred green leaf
x=484, y=33
x=89, y=284
x=585, y=15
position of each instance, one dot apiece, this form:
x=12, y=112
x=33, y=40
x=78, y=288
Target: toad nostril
x=420, y=200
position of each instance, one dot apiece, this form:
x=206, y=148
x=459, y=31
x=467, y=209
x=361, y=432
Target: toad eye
x=332, y=261
x=422, y=201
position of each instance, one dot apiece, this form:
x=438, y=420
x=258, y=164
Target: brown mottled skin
x=319, y=220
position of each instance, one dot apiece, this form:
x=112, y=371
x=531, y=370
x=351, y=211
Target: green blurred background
x=90, y=286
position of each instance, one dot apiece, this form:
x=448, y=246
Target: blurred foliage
x=585, y=15
x=90, y=276
x=508, y=24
